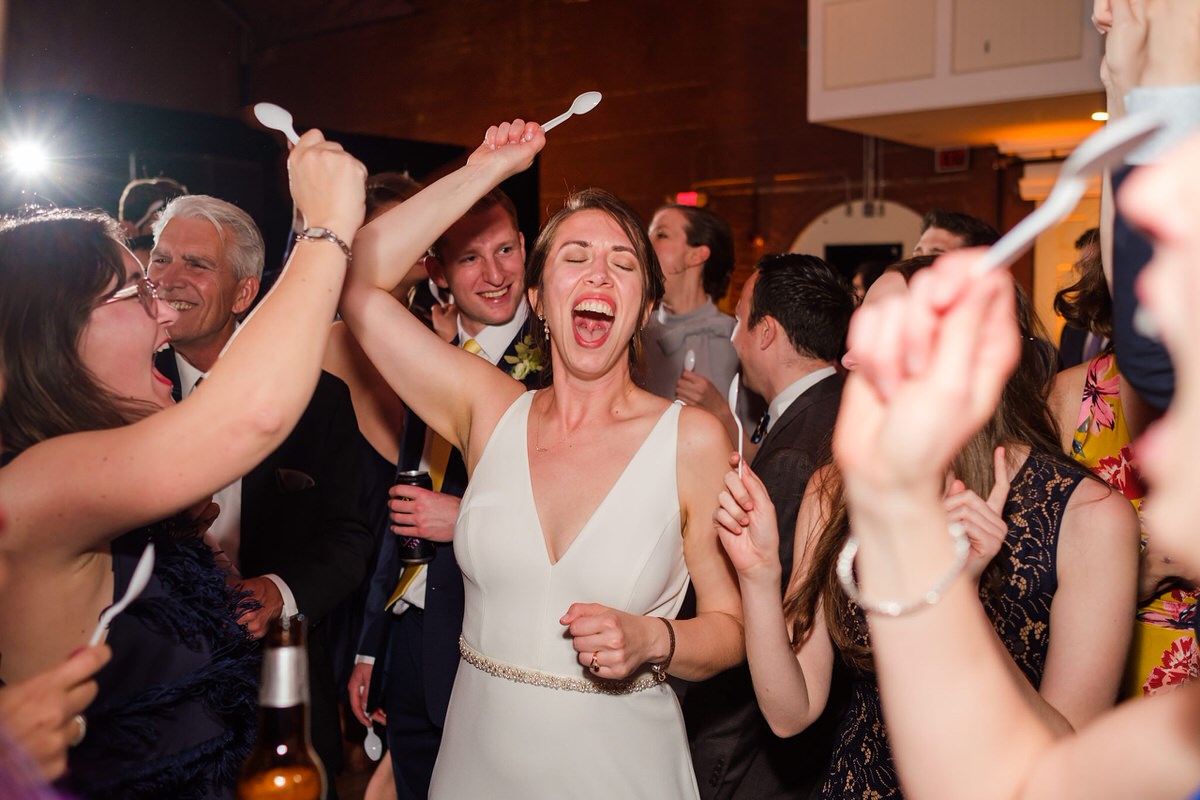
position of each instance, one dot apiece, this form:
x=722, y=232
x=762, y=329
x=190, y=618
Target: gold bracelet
x=316, y=234
x=660, y=669
x=891, y=608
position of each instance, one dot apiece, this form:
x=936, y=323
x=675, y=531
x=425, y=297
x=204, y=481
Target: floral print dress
x=1164, y=650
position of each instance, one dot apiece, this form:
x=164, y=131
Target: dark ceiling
x=272, y=22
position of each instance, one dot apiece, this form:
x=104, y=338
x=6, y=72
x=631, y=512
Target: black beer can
x=414, y=549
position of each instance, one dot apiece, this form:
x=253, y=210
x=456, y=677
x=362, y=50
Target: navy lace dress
x=861, y=766
x=175, y=714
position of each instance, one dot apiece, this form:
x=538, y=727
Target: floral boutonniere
x=527, y=361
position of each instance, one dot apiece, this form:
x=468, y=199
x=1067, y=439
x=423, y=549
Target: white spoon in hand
x=734, y=385
x=141, y=576
x=582, y=105
x=276, y=118
x=372, y=744
x=689, y=361
x=1101, y=150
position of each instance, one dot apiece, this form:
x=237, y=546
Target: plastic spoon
x=689, y=361
x=141, y=576
x=1099, y=151
x=372, y=744
x=734, y=385
x=582, y=105
x=276, y=118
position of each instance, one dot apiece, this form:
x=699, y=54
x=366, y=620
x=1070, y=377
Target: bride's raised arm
x=447, y=397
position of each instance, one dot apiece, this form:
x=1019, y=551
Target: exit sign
x=691, y=198
x=951, y=159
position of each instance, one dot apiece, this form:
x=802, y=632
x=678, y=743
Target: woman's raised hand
x=1124, y=25
x=982, y=520
x=509, y=147
x=328, y=185
x=746, y=524
x=933, y=364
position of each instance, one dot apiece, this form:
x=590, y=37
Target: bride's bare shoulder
x=701, y=432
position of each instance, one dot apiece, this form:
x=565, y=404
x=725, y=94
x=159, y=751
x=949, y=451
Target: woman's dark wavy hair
x=1086, y=304
x=1022, y=417
x=705, y=228
x=632, y=226
x=55, y=266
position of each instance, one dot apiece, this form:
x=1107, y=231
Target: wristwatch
x=314, y=234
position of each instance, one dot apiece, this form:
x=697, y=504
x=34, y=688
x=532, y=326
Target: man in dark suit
x=792, y=320
x=292, y=531
x=481, y=261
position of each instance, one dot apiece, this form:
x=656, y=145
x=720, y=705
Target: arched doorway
x=846, y=235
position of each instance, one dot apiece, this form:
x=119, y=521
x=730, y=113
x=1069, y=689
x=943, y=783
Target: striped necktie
x=760, y=430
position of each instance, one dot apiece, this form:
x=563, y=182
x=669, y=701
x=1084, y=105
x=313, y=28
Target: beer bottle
x=282, y=765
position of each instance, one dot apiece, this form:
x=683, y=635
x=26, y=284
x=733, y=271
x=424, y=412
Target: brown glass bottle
x=282, y=765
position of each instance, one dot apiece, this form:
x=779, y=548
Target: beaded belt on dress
x=549, y=680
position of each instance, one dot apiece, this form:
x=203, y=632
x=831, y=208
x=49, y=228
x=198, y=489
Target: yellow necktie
x=439, y=448
x=439, y=457
x=407, y=575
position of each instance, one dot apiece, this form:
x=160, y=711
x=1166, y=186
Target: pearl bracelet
x=316, y=234
x=891, y=608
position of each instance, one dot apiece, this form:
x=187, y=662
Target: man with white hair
x=292, y=531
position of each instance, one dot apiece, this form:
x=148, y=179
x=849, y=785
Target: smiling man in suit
x=480, y=260
x=792, y=319
x=292, y=531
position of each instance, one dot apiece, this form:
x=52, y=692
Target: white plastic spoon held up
x=1101, y=150
x=276, y=118
x=582, y=105
x=734, y=385
x=141, y=576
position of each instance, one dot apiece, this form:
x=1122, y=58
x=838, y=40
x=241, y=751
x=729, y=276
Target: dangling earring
x=545, y=329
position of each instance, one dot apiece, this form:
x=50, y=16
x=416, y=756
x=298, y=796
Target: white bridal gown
x=505, y=738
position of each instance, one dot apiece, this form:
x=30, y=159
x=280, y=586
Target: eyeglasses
x=143, y=289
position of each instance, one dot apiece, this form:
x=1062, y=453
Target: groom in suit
x=292, y=531
x=792, y=319
x=480, y=259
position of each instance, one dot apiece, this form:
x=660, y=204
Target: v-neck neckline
x=532, y=499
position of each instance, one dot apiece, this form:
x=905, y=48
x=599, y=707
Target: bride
x=590, y=505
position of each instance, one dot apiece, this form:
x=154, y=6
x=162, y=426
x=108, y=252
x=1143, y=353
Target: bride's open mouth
x=593, y=320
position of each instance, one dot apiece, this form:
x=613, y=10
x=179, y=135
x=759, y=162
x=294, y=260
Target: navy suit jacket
x=302, y=520
x=444, y=585
x=1145, y=363
x=734, y=752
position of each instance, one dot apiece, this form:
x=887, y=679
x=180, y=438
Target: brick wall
x=705, y=93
